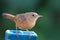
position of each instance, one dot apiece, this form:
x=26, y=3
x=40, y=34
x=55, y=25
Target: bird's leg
x=29, y=33
x=16, y=32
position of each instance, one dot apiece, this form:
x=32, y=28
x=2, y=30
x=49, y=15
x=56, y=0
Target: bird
x=23, y=21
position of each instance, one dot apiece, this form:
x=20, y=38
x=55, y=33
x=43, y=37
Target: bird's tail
x=8, y=16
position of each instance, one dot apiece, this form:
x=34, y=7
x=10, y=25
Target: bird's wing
x=20, y=18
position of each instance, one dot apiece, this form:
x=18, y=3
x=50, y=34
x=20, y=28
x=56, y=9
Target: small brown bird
x=24, y=21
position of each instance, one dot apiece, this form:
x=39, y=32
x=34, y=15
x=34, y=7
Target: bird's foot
x=29, y=35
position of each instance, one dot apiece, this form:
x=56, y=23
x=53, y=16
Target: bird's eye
x=32, y=15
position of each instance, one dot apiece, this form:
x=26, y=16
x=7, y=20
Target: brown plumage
x=8, y=16
x=24, y=21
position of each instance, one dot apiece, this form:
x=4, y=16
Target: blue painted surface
x=22, y=35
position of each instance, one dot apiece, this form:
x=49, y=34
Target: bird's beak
x=40, y=16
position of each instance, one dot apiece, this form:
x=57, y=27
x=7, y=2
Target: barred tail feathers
x=8, y=16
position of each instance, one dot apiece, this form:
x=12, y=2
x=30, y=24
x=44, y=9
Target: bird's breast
x=26, y=24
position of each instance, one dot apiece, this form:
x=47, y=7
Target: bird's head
x=33, y=16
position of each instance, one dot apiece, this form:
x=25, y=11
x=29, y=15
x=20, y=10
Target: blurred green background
x=47, y=28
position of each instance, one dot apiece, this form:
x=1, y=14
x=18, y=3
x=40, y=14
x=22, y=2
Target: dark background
x=47, y=28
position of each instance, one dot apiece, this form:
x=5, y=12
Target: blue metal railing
x=22, y=35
